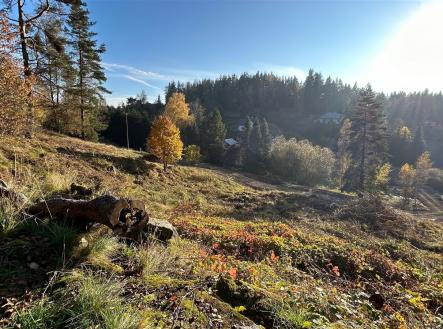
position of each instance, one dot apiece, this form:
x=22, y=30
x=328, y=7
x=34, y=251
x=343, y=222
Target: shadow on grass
x=279, y=205
x=133, y=166
x=31, y=252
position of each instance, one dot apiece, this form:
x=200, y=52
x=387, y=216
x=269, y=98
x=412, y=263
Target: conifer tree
x=418, y=146
x=266, y=140
x=90, y=77
x=343, y=155
x=54, y=68
x=213, y=137
x=256, y=138
x=368, y=141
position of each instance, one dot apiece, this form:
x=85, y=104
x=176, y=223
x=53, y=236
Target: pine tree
x=368, y=141
x=90, y=77
x=55, y=70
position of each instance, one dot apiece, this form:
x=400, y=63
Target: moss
x=153, y=319
x=158, y=281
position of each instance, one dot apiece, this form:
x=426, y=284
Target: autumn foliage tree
x=177, y=110
x=14, y=88
x=407, y=179
x=164, y=141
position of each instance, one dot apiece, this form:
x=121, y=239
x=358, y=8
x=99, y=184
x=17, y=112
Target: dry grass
x=291, y=258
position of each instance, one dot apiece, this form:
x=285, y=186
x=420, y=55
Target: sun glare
x=412, y=58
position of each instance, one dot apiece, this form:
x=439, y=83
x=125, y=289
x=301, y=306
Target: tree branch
x=40, y=13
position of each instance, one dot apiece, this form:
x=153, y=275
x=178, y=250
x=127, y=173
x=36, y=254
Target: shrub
x=192, y=155
x=302, y=161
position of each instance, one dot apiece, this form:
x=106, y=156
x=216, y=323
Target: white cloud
x=129, y=77
x=412, y=57
x=133, y=71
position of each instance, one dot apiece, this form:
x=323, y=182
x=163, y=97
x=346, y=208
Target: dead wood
x=125, y=217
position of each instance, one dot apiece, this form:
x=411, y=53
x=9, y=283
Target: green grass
x=304, y=266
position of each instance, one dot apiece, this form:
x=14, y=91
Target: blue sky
x=150, y=43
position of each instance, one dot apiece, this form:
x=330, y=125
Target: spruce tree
x=244, y=141
x=418, y=146
x=368, y=141
x=254, y=160
x=90, y=77
x=266, y=140
x=213, y=137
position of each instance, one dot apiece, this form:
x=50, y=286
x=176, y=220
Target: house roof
x=231, y=141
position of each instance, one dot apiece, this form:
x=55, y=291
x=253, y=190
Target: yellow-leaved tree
x=382, y=177
x=14, y=89
x=407, y=178
x=164, y=141
x=177, y=110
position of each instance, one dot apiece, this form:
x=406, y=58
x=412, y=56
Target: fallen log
x=125, y=217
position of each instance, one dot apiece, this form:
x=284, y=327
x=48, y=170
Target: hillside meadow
x=248, y=255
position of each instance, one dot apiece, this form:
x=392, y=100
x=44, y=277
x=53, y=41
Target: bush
x=302, y=161
x=192, y=155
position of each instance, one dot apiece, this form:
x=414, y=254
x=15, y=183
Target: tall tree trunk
x=26, y=66
x=82, y=109
x=363, y=156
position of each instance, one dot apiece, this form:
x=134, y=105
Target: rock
x=161, y=229
x=33, y=266
x=83, y=243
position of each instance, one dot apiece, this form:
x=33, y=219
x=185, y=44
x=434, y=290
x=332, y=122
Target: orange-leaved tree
x=177, y=110
x=164, y=141
x=14, y=88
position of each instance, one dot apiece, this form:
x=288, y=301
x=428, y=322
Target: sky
x=394, y=45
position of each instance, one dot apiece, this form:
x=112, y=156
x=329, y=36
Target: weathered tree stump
x=125, y=217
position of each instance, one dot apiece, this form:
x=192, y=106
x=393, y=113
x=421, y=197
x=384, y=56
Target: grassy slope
x=284, y=260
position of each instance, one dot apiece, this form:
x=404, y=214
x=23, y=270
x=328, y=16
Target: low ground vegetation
x=283, y=259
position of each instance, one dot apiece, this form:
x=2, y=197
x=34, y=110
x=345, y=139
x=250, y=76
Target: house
x=330, y=117
x=230, y=142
